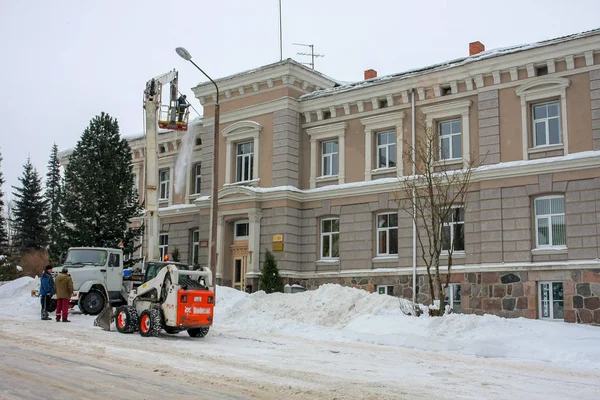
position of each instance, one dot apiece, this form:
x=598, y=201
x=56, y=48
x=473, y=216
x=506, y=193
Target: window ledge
x=549, y=250
x=541, y=149
x=455, y=255
x=328, y=261
x=326, y=178
x=450, y=162
x=385, y=259
x=383, y=170
x=253, y=182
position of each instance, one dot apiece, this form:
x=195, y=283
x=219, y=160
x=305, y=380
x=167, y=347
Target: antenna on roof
x=311, y=54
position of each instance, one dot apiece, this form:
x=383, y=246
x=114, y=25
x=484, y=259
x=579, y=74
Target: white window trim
x=169, y=191
x=195, y=246
x=163, y=249
x=235, y=225
x=541, y=89
x=319, y=134
x=197, y=190
x=330, y=234
x=450, y=295
x=540, y=283
x=330, y=156
x=551, y=247
x=242, y=156
x=547, y=127
x=450, y=136
x=378, y=229
x=241, y=132
x=386, y=289
x=375, y=125
x=451, y=224
x=387, y=150
x=459, y=109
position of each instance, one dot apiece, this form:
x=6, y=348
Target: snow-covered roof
x=446, y=65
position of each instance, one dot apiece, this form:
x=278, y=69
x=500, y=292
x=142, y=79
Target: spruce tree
x=99, y=198
x=30, y=218
x=270, y=281
x=3, y=227
x=56, y=229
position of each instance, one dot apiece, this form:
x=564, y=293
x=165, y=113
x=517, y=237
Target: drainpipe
x=414, y=169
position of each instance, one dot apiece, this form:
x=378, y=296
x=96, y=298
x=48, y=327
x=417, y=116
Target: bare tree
x=435, y=198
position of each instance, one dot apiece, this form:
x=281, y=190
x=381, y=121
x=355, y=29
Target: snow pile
x=345, y=314
x=17, y=294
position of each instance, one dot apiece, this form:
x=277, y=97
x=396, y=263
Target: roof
x=446, y=65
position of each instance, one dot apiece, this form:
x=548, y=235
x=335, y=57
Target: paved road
x=40, y=372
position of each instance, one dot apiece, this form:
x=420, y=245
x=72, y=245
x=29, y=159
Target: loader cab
x=152, y=268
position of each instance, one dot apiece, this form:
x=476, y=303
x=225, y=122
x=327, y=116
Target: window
x=241, y=230
x=453, y=230
x=197, y=178
x=385, y=289
x=114, y=260
x=446, y=91
x=551, y=301
x=198, y=141
x=330, y=238
x=330, y=158
x=383, y=103
x=453, y=298
x=162, y=149
x=546, y=124
x=326, y=114
x=164, y=179
x=387, y=234
x=386, y=149
x=195, y=246
x=542, y=70
x=550, y=222
x=163, y=245
x=244, y=162
x=450, y=140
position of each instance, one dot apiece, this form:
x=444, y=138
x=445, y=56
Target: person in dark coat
x=64, y=292
x=46, y=291
x=182, y=105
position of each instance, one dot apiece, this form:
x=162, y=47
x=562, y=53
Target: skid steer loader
x=174, y=300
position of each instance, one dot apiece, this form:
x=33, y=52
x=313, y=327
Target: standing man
x=46, y=291
x=64, y=291
x=182, y=105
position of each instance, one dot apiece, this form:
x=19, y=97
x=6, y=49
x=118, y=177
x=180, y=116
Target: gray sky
x=63, y=62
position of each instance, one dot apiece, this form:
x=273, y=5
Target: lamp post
x=183, y=53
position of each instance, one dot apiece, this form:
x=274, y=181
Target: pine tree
x=56, y=229
x=30, y=219
x=270, y=281
x=3, y=227
x=99, y=198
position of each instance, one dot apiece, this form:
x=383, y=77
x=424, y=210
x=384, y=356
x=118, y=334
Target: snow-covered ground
x=338, y=342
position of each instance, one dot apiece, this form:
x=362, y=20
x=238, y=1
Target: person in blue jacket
x=46, y=291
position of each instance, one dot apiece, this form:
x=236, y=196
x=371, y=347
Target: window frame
x=241, y=165
x=450, y=300
x=330, y=235
x=546, y=124
x=549, y=218
x=336, y=131
x=330, y=156
x=197, y=178
x=550, y=300
x=195, y=246
x=451, y=224
x=388, y=236
x=388, y=151
x=450, y=137
x=163, y=245
x=166, y=184
x=388, y=289
x=236, y=224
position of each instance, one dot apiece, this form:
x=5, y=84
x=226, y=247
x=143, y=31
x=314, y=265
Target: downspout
x=414, y=227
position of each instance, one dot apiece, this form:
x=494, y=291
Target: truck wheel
x=127, y=319
x=198, y=332
x=150, y=323
x=93, y=302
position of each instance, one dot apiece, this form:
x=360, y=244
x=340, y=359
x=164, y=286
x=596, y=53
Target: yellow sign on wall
x=277, y=238
x=277, y=246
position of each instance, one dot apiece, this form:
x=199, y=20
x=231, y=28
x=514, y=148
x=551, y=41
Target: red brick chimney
x=370, y=74
x=476, y=48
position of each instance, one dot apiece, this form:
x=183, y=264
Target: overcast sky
x=63, y=62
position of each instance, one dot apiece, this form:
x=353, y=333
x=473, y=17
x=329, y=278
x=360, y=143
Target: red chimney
x=476, y=48
x=370, y=74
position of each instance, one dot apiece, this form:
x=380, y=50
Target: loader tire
x=127, y=320
x=150, y=323
x=92, y=303
x=198, y=332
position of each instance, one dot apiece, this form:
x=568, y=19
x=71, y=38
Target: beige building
x=308, y=168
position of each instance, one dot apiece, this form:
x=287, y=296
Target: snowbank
x=17, y=294
x=346, y=314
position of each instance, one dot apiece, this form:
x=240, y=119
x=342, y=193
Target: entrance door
x=551, y=302
x=240, y=267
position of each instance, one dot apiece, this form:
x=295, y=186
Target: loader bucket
x=105, y=318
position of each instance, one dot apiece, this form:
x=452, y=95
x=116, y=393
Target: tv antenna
x=311, y=54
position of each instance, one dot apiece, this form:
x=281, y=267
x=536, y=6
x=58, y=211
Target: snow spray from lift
x=183, y=159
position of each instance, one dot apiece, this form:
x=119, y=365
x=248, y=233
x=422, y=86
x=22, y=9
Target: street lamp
x=183, y=53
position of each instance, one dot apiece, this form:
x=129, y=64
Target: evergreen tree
x=99, y=198
x=56, y=229
x=3, y=227
x=30, y=219
x=270, y=281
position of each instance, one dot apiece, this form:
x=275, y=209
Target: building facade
x=308, y=168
